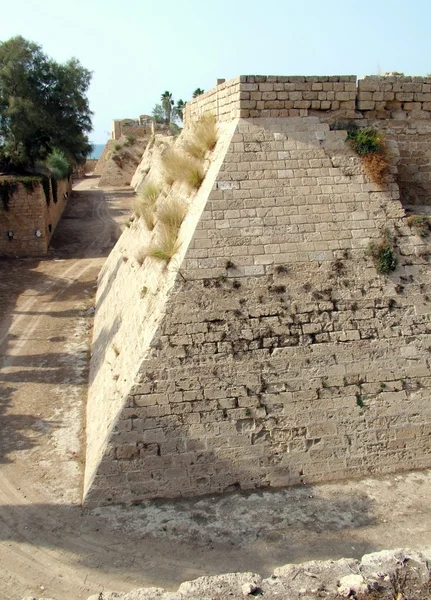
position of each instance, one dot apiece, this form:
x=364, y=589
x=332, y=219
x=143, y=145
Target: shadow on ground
x=207, y=535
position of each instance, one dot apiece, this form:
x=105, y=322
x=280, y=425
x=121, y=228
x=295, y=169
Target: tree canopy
x=43, y=107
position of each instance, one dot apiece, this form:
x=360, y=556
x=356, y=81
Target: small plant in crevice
x=144, y=291
x=359, y=400
x=383, y=253
x=145, y=204
x=370, y=145
x=420, y=223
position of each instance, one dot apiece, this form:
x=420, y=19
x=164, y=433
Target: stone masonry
x=280, y=356
x=29, y=214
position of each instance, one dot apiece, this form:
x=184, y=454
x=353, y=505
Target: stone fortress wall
x=30, y=214
x=279, y=355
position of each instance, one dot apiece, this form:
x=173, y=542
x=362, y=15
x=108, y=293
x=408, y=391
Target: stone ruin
x=269, y=351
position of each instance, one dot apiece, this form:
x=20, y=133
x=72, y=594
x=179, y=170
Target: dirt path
x=49, y=546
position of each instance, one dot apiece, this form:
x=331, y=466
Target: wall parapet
x=256, y=96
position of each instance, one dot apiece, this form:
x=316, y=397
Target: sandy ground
x=50, y=546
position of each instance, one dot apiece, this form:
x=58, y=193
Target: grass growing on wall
x=172, y=214
x=203, y=138
x=383, y=254
x=145, y=204
x=420, y=223
x=182, y=168
x=371, y=146
x=166, y=246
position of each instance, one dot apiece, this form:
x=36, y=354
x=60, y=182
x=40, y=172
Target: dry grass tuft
x=376, y=166
x=182, y=168
x=141, y=255
x=203, y=138
x=145, y=205
x=172, y=214
x=167, y=246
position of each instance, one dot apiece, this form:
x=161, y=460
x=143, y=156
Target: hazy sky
x=139, y=48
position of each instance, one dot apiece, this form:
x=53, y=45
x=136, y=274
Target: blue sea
x=97, y=151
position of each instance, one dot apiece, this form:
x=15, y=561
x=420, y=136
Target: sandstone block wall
x=395, y=97
x=400, y=105
x=29, y=212
x=281, y=356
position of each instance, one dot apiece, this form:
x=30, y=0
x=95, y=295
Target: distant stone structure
x=141, y=127
x=29, y=221
x=270, y=352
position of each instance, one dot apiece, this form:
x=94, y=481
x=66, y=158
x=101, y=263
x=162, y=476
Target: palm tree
x=179, y=108
x=167, y=104
x=198, y=92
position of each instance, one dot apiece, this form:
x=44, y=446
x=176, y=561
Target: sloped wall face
x=283, y=356
x=130, y=305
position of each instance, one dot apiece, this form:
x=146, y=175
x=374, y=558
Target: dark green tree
x=198, y=92
x=179, y=108
x=43, y=107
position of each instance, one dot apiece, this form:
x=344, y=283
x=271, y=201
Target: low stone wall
x=31, y=219
x=222, y=101
x=255, y=96
x=395, y=97
x=386, y=574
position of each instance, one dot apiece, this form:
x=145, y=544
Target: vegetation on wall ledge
x=9, y=186
x=370, y=145
x=420, y=223
x=383, y=253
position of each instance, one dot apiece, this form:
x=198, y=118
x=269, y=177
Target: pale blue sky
x=139, y=48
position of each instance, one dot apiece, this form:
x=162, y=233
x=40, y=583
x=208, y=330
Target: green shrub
x=371, y=146
x=117, y=147
x=130, y=140
x=365, y=141
x=58, y=164
x=383, y=253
